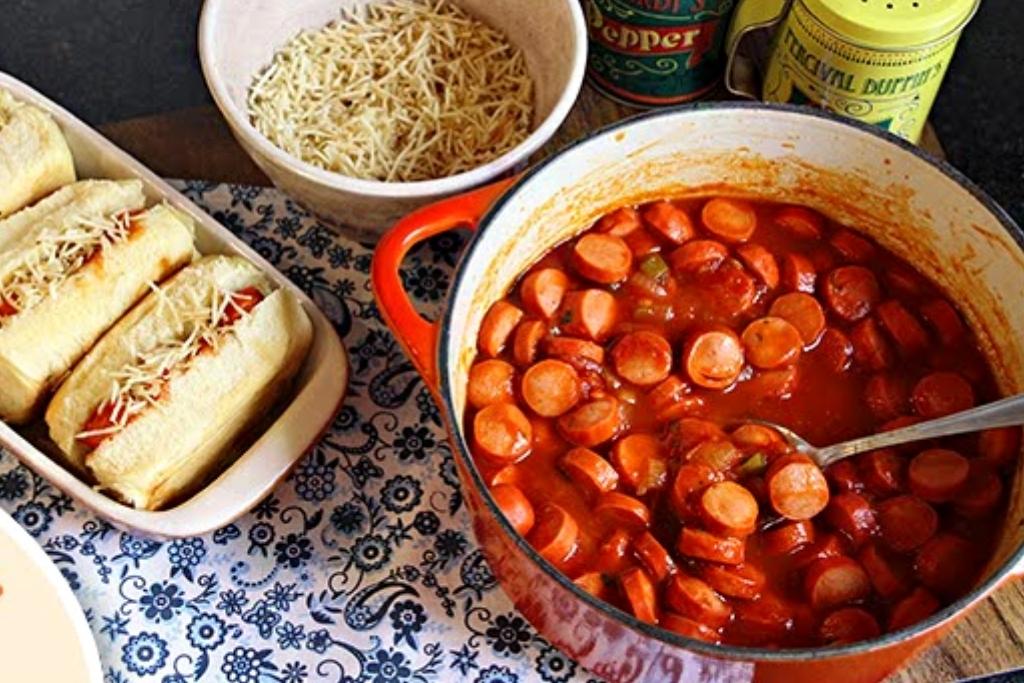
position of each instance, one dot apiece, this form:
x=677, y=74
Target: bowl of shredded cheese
x=364, y=110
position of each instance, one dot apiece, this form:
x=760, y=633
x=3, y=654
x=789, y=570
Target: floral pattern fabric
x=360, y=567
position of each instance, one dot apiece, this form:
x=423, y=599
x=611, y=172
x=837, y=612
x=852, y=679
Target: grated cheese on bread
x=398, y=91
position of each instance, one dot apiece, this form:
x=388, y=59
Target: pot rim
x=664, y=635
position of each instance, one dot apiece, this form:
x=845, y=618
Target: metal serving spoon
x=1007, y=412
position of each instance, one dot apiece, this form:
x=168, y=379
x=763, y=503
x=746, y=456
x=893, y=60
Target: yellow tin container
x=879, y=61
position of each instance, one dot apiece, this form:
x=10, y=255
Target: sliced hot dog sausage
x=796, y=487
x=620, y=222
x=625, y=510
x=698, y=256
x=744, y=581
x=515, y=506
x=589, y=471
x=613, y=553
x=999, y=447
x=937, y=474
x=555, y=534
x=720, y=456
x=713, y=359
x=944, y=320
x=633, y=455
x=551, y=387
x=907, y=522
x=947, y=564
x=982, y=492
x=592, y=423
x=574, y=351
x=691, y=597
x=803, y=312
x=942, y=393
x=602, y=258
x=496, y=327
x=589, y=313
x=788, y=538
x=887, y=395
x=753, y=438
x=764, y=621
x=502, y=434
x=490, y=381
x=836, y=581
x=672, y=399
x=852, y=246
x=844, y=476
x=542, y=291
x=672, y=222
x=827, y=545
x=593, y=583
x=882, y=471
x=761, y=262
x=688, y=628
x=654, y=557
x=916, y=607
x=800, y=222
x=729, y=509
x=692, y=431
x=640, y=594
x=771, y=342
x=643, y=358
x=690, y=478
x=903, y=327
x=733, y=220
x=702, y=545
x=848, y=625
x=852, y=292
x=836, y=348
x=774, y=385
x=798, y=273
x=886, y=576
x=527, y=340
x=870, y=348
x=853, y=515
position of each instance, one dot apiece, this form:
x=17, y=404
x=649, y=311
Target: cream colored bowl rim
x=239, y=121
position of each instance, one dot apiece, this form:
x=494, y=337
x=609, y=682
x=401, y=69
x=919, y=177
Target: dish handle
x=417, y=335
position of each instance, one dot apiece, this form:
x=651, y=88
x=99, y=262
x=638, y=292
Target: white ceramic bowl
x=238, y=38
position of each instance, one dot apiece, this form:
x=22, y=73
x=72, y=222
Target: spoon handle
x=1005, y=412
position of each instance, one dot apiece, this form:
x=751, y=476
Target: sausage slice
x=490, y=381
x=672, y=222
x=555, y=534
x=542, y=291
x=589, y=313
x=729, y=509
x=589, y=471
x=551, y=387
x=592, y=423
x=691, y=597
x=497, y=325
x=942, y=393
x=907, y=522
x=502, y=434
x=803, y=312
x=640, y=594
x=643, y=358
x=714, y=359
x=602, y=258
x=835, y=581
x=852, y=292
x=515, y=506
x=771, y=342
x=938, y=474
x=702, y=545
x=796, y=487
x=733, y=220
x=799, y=221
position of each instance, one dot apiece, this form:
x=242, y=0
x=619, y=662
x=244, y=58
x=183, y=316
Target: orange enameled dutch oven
x=917, y=207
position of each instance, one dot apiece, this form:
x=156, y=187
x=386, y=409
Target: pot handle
x=750, y=15
x=417, y=335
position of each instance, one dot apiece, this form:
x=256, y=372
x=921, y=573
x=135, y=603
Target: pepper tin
x=880, y=61
x=653, y=53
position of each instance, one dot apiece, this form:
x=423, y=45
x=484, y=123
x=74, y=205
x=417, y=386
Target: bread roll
x=70, y=266
x=34, y=157
x=207, y=378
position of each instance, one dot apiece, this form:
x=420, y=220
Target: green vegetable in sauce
x=755, y=464
x=654, y=267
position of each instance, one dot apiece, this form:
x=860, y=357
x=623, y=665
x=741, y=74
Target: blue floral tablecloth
x=360, y=567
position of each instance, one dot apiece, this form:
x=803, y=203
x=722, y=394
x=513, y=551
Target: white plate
x=316, y=396
x=43, y=632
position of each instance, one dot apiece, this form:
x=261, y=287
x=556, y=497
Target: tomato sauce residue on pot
x=603, y=411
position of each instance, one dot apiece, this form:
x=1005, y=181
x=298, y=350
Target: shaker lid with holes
x=896, y=24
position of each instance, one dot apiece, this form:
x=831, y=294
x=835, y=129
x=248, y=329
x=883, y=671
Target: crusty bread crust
x=34, y=156
x=169, y=448
x=40, y=345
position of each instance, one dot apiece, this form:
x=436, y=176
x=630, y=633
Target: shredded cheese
x=57, y=254
x=139, y=384
x=398, y=91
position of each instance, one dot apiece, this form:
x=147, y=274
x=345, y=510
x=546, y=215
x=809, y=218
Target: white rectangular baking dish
x=315, y=398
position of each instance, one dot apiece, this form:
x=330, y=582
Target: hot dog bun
x=204, y=404
x=34, y=156
x=64, y=310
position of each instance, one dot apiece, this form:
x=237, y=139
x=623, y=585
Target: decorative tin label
x=656, y=52
x=892, y=88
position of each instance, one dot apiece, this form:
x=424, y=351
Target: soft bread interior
x=34, y=156
x=39, y=345
x=171, y=446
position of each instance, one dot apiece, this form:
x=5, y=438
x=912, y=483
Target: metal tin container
x=880, y=61
x=653, y=53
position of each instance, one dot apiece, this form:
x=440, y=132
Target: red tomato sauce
x=603, y=412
